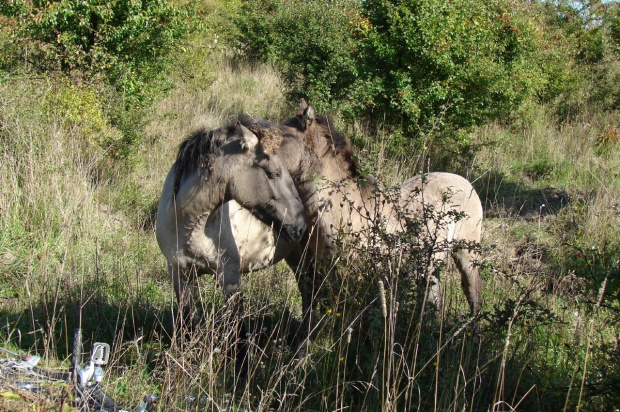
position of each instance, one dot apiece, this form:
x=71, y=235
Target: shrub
x=589, y=34
x=8, y=35
x=80, y=107
x=447, y=65
x=427, y=67
x=125, y=41
x=311, y=43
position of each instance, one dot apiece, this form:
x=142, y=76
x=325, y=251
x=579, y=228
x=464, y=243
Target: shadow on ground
x=502, y=196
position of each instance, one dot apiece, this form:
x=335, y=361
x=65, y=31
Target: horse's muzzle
x=293, y=233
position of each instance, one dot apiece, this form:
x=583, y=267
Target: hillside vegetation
x=520, y=97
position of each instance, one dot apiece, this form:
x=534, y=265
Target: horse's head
x=262, y=184
x=319, y=138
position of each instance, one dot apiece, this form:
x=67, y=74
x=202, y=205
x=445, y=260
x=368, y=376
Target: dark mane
x=198, y=151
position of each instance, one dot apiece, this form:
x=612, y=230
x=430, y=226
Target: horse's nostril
x=297, y=232
x=294, y=233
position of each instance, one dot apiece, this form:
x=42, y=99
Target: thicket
x=107, y=57
x=425, y=65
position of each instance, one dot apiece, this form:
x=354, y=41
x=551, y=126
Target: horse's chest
x=241, y=239
x=256, y=245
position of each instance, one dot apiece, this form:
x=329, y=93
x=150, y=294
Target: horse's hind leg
x=466, y=263
x=433, y=291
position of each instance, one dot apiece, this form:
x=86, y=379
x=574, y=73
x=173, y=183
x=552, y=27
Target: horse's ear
x=248, y=139
x=308, y=117
x=302, y=105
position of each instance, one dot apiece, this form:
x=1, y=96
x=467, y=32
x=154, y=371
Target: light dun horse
x=213, y=167
x=336, y=202
x=339, y=202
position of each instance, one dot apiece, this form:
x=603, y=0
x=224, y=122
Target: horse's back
x=446, y=191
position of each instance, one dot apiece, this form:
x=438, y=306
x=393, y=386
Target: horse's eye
x=272, y=175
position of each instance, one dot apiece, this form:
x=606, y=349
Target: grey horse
x=213, y=167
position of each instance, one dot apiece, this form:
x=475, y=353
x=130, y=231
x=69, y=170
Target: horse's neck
x=340, y=204
x=195, y=202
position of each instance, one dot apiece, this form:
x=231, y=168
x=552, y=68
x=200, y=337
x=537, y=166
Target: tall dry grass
x=576, y=154
x=68, y=259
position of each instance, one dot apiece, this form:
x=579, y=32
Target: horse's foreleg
x=300, y=262
x=184, y=283
x=306, y=289
x=230, y=280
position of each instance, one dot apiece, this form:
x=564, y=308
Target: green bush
x=80, y=107
x=8, y=36
x=310, y=42
x=446, y=65
x=421, y=66
x=125, y=41
x=588, y=33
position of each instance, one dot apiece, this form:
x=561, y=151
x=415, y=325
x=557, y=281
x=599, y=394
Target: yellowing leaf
x=9, y=395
